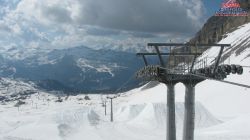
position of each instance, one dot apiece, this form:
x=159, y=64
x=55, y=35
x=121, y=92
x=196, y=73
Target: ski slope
x=231, y=100
x=222, y=110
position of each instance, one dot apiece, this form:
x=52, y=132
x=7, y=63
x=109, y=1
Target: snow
x=222, y=110
x=85, y=64
x=231, y=100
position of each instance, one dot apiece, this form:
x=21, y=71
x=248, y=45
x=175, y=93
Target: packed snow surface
x=222, y=110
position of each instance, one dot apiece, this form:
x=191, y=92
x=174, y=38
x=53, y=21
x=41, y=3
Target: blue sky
x=100, y=23
x=212, y=6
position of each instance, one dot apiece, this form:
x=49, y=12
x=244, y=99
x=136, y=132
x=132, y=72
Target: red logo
x=231, y=8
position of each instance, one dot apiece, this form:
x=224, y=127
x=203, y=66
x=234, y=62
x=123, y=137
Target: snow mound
x=153, y=115
x=129, y=112
x=84, y=116
x=235, y=129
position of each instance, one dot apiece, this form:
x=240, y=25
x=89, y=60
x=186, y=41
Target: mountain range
x=77, y=69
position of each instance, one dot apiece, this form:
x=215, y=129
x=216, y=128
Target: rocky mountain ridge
x=217, y=27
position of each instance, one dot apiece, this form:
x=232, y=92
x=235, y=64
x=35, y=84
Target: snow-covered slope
x=43, y=116
x=224, y=99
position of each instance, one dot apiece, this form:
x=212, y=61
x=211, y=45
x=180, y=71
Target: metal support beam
x=105, y=107
x=187, y=44
x=171, y=128
x=192, y=66
x=111, y=108
x=160, y=57
x=111, y=116
x=145, y=60
x=189, y=114
x=171, y=54
x=218, y=59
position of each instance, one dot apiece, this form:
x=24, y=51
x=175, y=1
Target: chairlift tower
x=104, y=104
x=111, y=107
x=187, y=74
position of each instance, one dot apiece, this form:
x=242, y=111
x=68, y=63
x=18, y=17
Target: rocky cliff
x=213, y=31
x=216, y=27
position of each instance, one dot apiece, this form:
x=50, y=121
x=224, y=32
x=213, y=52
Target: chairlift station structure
x=187, y=74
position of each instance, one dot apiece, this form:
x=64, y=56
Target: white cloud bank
x=76, y=22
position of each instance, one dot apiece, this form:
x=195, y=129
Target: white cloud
x=62, y=23
x=16, y=29
x=133, y=15
x=4, y=28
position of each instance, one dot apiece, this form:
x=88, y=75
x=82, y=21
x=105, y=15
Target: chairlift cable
x=224, y=81
x=125, y=83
